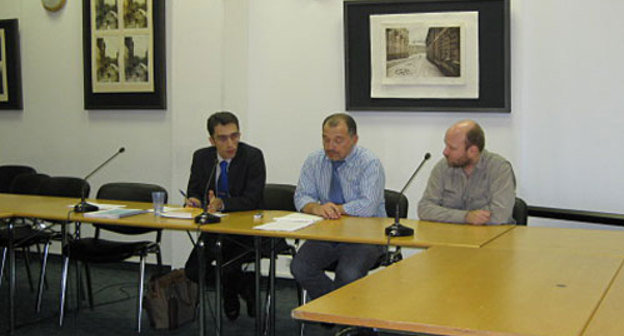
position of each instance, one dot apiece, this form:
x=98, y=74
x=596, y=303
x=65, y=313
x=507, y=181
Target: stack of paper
x=114, y=213
x=292, y=222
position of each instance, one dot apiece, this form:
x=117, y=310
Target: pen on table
x=183, y=195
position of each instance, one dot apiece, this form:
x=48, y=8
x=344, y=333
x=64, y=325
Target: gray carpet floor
x=115, y=293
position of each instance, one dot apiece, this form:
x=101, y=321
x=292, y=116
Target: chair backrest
x=520, y=212
x=392, y=198
x=8, y=174
x=28, y=184
x=126, y=191
x=279, y=197
x=64, y=187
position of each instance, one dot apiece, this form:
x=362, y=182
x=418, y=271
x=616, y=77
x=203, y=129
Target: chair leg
x=79, y=289
x=89, y=287
x=45, y=280
x=63, y=289
x=159, y=259
x=304, y=298
x=44, y=263
x=140, y=297
x=26, y=252
x=4, y=252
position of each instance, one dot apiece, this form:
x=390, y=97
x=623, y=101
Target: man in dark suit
x=240, y=176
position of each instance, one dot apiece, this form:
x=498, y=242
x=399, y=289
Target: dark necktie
x=335, y=189
x=222, y=185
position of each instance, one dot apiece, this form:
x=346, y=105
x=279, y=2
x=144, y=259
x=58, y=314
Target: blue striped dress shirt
x=362, y=179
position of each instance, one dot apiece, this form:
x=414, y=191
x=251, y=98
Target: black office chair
x=62, y=186
x=24, y=233
x=27, y=232
x=9, y=172
x=279, y=197
x=28, y=184
x=98, y=250
x=391, y=198
x=520, y=212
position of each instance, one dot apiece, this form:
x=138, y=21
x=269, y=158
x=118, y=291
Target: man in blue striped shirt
x=342, y=179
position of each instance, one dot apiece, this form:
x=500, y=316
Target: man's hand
x=215, y=203
x=478, y=217
x=328, y=210
x=192, y=202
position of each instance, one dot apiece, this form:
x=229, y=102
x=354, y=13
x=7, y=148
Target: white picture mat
x=466, y=87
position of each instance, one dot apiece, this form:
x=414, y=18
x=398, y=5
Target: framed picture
x=124, y=54
x=425, y=55
x=10, y=72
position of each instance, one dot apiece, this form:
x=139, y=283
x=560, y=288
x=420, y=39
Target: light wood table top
x=346, y=229
x=571, y=240
x=59, y=208
x=365, y=230
x=608, y=321
x=465, y=291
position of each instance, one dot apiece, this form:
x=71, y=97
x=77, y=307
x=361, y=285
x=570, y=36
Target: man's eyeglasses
x=224, y=138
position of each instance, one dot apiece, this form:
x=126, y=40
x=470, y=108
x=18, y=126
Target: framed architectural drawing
x=124, y=54
x=10, y=72
x=424, y=55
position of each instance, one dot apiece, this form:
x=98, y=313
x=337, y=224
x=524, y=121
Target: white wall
x=278, y=64
x=296, y=76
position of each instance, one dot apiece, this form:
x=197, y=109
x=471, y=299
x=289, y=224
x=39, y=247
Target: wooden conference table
x=347, y=229
x=528, y=281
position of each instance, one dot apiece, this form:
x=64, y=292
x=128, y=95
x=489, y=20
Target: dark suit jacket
x=246, y=177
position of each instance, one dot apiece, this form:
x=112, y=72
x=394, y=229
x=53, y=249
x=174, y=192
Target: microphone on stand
x=397, y=229
x=206, y=217
x=83, y=206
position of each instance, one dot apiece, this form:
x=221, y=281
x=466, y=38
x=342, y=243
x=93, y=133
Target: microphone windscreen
x=122, y=149
x=427, y=156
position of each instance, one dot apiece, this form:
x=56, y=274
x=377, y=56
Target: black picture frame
x=127, y=100
x=494, y=56
x=11, y=63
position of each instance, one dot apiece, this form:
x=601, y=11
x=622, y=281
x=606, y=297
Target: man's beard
x=461, y=163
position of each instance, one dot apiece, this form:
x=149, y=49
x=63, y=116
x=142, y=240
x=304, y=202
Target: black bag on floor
x=171, y=300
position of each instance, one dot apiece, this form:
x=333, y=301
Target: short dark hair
x=221, y=118
x=334, y=119
x=476, y=137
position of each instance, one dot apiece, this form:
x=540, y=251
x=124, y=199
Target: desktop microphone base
x=83, y=207
x=207, y=218
x=399, y=230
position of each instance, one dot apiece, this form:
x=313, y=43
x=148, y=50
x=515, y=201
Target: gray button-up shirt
x=450, y=194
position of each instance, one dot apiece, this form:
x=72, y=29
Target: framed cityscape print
x=124, y=54
x=10, y=71
x=424, y=55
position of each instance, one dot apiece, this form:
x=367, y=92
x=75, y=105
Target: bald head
x=464, y=142
x=470, y=131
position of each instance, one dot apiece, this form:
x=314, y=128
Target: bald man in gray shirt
x=470, y=185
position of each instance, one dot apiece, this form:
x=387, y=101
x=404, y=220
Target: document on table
x=102, y=206
x=183, y=213
x=115, y=213
x=292, y=222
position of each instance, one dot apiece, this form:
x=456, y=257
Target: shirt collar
x=222, y=159
x=481, y=164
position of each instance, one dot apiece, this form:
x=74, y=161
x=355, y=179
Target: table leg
x=202, y=286
x=272, y=289
x=11, y=278
x=259, y=312
x=218, y=286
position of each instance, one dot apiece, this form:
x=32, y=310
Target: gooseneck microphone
x=206, y=217
x=397, y=229
x=83, y=206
